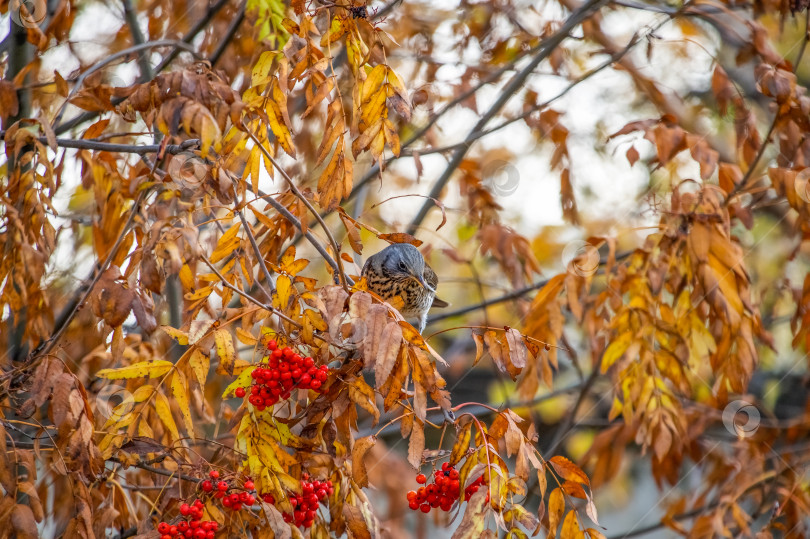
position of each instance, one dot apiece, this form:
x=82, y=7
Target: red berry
x=421, y=479
x=222, y=486
x=240, y=392
x=214, y=474
x=207, y=486
x=166, y=536
x=173, y=530
x=163, y=528
x=249, y=485
x=200, y=534
x=425, y=507
x=315, y=384
x=182, y=525
x=272, y=344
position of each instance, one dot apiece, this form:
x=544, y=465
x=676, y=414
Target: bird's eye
x=402, y=266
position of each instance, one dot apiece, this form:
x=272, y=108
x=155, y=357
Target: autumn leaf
x=150, y=369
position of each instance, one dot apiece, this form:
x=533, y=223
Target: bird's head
x=404, y=261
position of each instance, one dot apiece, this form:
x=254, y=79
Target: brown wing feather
x=433, y=280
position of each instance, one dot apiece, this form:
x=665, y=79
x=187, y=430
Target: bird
x=401, y=270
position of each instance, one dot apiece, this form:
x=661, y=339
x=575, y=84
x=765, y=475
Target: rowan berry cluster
x=305, y=505
x=442, y=492
x=284, y=371
x=194, y=527
x=233, y=501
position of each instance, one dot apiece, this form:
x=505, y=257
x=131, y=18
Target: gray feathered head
x=404, y=260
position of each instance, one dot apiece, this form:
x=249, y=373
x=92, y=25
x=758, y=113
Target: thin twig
x=255, y=301
x=344, y=279
x=750, y=172
x=307, y=234
x=513, y=86
x=508, y=297
x=568, y=422
x=229, y=33
x=45, y=347
x=192, y=33
x=256, y=251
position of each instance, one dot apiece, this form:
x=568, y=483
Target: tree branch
x=308, y=235
x=90, y=144
x=508, y=91
x=111, y=58
x=344, y=279
x=229, y=33
x=201, y=24
x=137, y=37
x=510, y=296
x=45, y=347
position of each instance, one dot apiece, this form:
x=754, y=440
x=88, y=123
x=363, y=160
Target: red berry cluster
x=194, y=527
x=284, y=371
x=443, y=492
x=233, y=501
x=305, y=505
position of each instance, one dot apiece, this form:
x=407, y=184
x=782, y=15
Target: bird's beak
x=423, y=283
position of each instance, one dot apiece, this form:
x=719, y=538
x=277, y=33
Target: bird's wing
x=433, y=280
x=430, y=277
x=366, y=267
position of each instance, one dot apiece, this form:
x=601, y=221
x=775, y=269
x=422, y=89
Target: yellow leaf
x=225, y=350
x=373, y=81
x=243, y=380
x=616, y=349
x=283, y=292
x=568, y=470
x=152, y=369
x=180, y=336
x=200, y=363
x=180, y=392
x=246, y=337
x=226, y=243
x=164, y=412
x=570, y=529
x=462, y=444
x=556, y=508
